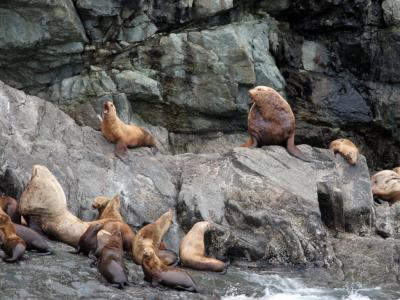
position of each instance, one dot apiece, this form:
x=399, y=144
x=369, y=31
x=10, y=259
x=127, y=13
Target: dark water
x=67, y=276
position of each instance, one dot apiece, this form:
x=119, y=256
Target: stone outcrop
x=268, y=206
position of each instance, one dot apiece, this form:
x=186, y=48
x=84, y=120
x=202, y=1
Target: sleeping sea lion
x=124, y=135
x=192, y=250
x=346, y=148
x=271, y=121
x=10, y=206
x=13, y=246
x=386, y=186
x=33, y=240
x=158, y=273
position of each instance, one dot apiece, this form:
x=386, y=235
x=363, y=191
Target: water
x=280, y=287
x=68, y=276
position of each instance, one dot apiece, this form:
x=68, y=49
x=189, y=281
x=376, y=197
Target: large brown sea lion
x=10, y=206
x=111, y=261
x=158, y=273
x=33, y=240
x=346, y=148
x=12, y=245
x=124, y=135
x=271, y=121
x=88, y=241
x=192, y=250
x=110, y=209
x=151, y=236
x=386, y=186
x=44, y=204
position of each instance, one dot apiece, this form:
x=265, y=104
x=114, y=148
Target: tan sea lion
x=158, y=273
x=88, y=241
x=10, y=206
x=111, y=261
x=110, y=209
x=346, y=148
x=386, y=186
x=33, y=240
x=397, y=170
x=124, y=135
x=271, y=121
x=192, y=250
x=151, y=236
x=13, y=246
x=43, y=203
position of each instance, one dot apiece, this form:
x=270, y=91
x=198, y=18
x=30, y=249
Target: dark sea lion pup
x=33, y=240
x=271, y=121
x=192, y=251
x=88, y=241
x=111, y=261
x=12, y=245
x=10, y=206
x=158, y=273
x=124, y=135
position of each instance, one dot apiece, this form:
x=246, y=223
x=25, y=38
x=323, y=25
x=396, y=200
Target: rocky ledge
x=269, y=207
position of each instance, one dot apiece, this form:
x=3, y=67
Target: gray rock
x=34, y=54
x=387, y=220
x=99, y=8
x=139, y=29
x=138, y=86
x=391, y=12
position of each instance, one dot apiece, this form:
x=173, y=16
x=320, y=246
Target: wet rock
x=387, y=220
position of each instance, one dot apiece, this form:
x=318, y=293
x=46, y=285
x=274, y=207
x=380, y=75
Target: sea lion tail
x=293, y=150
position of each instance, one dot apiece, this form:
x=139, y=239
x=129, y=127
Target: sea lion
x=111, y=261
x=151, y=236
x=397, y=170
x=43, y=203
x=346, y=148
x=124, y=135
x=33, y=240
x=158, y=273
x=126, y=232
x=10, y=206
x=88, y=241
x=13, y=246
x=386, y=186
x=271, y=121
x=192, y=250
x=110, y=209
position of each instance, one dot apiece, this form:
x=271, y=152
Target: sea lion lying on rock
x=271, y=121
x=10, y=206
x=13, y=246
x=192, y=250
x=151, y=236
x=124, y=135
x=386, y=186
x=44, y=204
x=110, y=209
x=346, y=148
x=33, y=240
x=158, y=273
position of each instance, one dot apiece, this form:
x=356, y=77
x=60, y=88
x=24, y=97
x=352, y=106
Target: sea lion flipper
x=296, y=152
x=77, y=250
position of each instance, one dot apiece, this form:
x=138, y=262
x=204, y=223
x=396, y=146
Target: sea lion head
x=100, y=202
x=148, y=252
x=108, y=107
x=397, y=170
x=351, y=157
x=258, y=93
x=203, y=225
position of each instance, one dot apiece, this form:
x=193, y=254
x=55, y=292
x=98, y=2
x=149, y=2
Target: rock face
x=183, y=68
x=268, y=206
